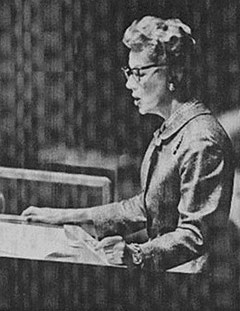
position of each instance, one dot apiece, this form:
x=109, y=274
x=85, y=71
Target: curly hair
x=166, y=41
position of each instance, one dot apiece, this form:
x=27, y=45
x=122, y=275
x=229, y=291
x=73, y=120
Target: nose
x=131, y=83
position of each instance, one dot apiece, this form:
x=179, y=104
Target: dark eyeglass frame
x=136, y=70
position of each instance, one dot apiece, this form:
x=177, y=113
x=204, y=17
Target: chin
x=146, y=107
x=142, y=111
x=145, y=110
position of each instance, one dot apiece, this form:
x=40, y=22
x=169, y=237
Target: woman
x=187, y=172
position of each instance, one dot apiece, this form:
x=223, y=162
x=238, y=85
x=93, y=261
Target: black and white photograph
x=119, y=155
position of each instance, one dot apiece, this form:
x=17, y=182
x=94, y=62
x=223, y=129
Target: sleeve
x=123, y=218
x=205, y=188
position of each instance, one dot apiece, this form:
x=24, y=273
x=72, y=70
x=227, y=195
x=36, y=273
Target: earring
x=171, y=87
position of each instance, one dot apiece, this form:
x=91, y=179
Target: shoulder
x=204, y=137
x=205, y=128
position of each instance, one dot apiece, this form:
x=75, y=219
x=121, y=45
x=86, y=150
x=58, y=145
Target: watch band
x=137, y=254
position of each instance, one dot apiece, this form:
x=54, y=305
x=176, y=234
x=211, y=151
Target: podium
x=49, y=267
x=64, y=273
x=57, y=274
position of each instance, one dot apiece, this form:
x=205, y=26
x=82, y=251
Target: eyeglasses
x=136, y=72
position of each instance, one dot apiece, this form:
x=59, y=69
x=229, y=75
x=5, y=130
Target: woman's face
x=148, y=85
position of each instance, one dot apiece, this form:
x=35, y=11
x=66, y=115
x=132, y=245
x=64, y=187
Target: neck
x=174, y=106
x=170, y=106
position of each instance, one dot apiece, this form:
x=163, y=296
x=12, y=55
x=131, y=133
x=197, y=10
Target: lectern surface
x=68, y=243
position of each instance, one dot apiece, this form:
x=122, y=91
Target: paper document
x=21, y=239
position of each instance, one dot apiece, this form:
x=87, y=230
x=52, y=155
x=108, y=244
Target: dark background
x=60, y=78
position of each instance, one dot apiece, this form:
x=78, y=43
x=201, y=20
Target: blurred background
x=62, y=93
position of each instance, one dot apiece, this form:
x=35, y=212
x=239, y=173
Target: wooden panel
x=42, y=285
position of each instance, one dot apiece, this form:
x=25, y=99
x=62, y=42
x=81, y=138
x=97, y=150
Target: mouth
x=137, y=101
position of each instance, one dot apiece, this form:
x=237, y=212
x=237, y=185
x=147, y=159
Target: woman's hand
x=118, y=252
x=44, y=214
x=114, y=249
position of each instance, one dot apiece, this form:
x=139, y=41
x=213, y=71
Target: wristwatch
x=137, y=254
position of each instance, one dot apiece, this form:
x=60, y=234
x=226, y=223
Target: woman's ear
x=175, y=77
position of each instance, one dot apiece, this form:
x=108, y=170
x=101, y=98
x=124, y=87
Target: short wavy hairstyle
x=166, y=41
